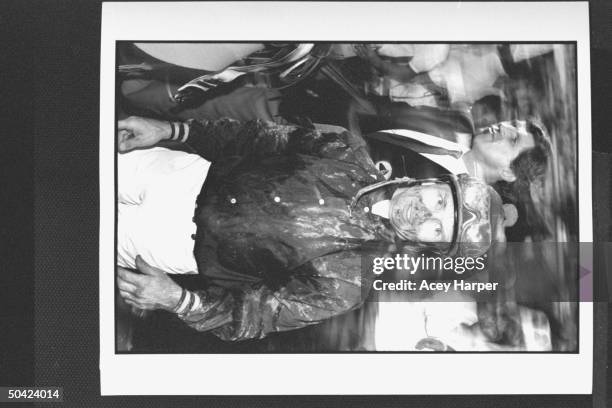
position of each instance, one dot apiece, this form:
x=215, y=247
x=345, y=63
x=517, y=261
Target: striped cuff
x=179, y=131
x=182, y=303
x=188, y=304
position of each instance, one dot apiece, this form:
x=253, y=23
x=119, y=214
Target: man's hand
x=136, y=132
x=149, y=291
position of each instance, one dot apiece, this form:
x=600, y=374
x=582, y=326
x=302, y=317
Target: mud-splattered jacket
x=275, y=240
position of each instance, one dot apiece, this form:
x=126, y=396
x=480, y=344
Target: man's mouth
x=494, y=134
x=407, y=213
x=489, y=132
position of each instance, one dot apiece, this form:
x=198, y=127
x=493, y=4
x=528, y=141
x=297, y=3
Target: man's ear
x=507, y=175
x=510, y=215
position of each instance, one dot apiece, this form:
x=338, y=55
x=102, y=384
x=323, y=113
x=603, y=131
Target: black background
x=49, y=332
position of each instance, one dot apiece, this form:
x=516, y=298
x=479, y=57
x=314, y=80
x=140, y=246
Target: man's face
x=498, y=145
x=423, y=213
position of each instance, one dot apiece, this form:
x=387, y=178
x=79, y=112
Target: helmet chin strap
x=373, y=187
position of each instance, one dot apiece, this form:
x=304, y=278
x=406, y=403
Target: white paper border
x=271, y=374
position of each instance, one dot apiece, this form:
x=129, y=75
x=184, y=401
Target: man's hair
x=531, y=164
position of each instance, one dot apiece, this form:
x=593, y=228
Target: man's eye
x=441, y=203
x=437, y=229
x=438, y=232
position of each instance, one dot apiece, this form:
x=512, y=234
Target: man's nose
x=421, y=213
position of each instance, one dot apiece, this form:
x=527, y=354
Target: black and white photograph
x=302, y=195
x=250, y=196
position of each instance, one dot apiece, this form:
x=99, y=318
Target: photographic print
x=343, y=199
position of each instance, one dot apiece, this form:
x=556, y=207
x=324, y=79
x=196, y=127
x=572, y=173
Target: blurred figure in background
x=443, y=75
x=156, y=79
x=440, y=84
